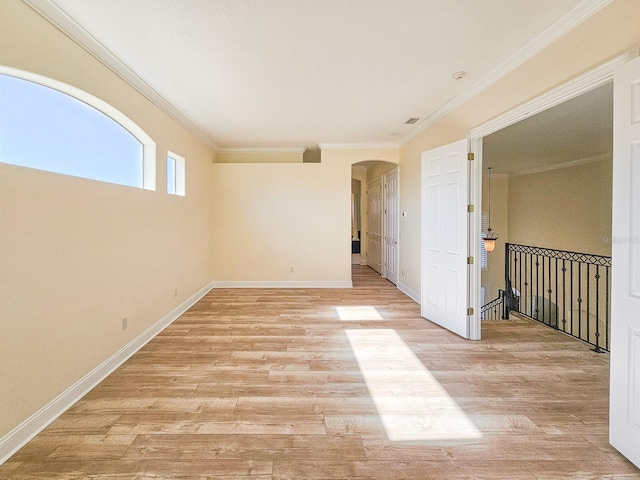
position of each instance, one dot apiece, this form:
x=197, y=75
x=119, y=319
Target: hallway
x=336, y=383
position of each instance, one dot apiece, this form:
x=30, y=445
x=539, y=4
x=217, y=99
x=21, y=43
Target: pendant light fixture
x=489, y=236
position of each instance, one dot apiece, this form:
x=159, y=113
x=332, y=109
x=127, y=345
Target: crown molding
x=261, y=149
x=63, y=22
x=560, y=166
x=357, y=146
x=496, y=175
x=566, y=23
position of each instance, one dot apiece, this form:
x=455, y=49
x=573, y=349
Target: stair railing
x=567, y=291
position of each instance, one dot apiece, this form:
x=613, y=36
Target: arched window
x=51, y=126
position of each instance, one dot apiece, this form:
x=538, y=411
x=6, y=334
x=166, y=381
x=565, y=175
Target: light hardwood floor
x=333, y=384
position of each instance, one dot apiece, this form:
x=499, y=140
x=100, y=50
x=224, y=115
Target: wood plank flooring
x=336, y=384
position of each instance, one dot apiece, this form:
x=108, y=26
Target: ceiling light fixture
x=489, y=236
x=411, y=121
x=459, y=75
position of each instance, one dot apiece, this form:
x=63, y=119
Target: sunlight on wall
x=358, y=313
x=410, y=402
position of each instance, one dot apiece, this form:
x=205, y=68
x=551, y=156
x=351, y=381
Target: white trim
x=19, y=436
x=571, y=89
x=412, y=294
x=149, y=146
x=357, y=146
x=78, y=34
x=574, y=17
x=559, y=166
x=283, y=284
x=581, y=84
x=474, y=222
x=261, y=149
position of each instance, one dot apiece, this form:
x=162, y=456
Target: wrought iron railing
x=494, y=309
x=568, y=291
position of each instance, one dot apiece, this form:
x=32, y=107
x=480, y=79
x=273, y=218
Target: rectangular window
x=175, y=174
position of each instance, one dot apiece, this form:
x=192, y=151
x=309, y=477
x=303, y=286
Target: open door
x=374, y=225
x=624, y=415
x=444, y=242
x=391, y=230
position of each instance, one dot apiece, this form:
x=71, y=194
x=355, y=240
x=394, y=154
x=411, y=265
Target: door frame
x=588, y=81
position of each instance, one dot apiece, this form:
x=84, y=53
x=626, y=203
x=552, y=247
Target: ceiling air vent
x=411, y=121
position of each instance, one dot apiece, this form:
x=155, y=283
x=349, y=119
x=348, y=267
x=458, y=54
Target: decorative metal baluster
x=597, y=349
x=571, y=294
x=556, y=279
x=588, y=306
x=552, y=321
x=544, y=296
x=579, y=300
x=564, y=296
x=506, y=306
x=607, y=310
x=537, y=312
x=520, y=283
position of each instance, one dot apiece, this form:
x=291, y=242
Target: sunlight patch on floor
x=410, y=402
x=358, y=313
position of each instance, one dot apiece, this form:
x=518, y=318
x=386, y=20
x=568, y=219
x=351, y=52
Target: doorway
x=378, y=220
x=599, y=77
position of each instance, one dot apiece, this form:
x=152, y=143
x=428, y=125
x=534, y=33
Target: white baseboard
x=284, y=284
x=409, y=292
x=19, y=436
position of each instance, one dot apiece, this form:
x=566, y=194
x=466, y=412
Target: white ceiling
x=264, y=73
x=578, y=130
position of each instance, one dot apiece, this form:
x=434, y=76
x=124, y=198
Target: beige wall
x=78, y=255
x=566, y=209
x=493, y=275
x=272, y=217
x=249, y=156
x=378, y=169
x=608, y=33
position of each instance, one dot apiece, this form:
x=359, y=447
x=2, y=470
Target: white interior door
x=391, y=230
x=624, y=415
x=374, y=225
x=444, y=242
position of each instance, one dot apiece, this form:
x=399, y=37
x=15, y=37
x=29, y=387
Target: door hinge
x=470, y=208
x=469, y=311
x=469, y=260
x=471, y=156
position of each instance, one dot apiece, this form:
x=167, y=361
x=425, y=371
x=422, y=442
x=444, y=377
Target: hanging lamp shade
x=489, y=237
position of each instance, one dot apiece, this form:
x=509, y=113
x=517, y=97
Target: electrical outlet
x=124, y=323
x=290, y=269
x=175, y=292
